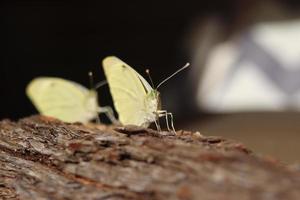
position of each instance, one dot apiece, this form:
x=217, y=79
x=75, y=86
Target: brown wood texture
x=42, y=158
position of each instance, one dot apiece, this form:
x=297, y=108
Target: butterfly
x=65, y=100
x=135, y=100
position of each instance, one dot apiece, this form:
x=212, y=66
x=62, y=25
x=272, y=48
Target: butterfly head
x=154, y=94
x=153, y=99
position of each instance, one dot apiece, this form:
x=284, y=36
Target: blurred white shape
x=281, y=39
x=258, y=71
x=218, y=65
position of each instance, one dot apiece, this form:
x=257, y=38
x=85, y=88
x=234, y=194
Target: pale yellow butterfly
x=136, y=102
x=65, y=100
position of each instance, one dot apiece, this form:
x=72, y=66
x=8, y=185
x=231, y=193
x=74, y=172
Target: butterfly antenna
x=149, y=76
x=91, y=79
x=179, y=70
x=98, y=85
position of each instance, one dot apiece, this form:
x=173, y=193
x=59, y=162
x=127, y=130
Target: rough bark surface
x=42, y=158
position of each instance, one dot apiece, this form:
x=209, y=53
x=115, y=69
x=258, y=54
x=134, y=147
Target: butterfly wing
x=146, y=85
x=129, y=92
x=62, y=99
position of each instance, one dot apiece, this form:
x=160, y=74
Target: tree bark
x=43, y=158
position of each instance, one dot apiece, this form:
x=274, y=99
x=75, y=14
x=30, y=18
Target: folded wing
x=62, y=99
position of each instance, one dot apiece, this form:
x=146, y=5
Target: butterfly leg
x=157, y=124
x=107, y=110
x=98, y=120
x=164, y=113
x=172, y=122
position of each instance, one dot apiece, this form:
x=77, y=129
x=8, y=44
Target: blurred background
x=244, y=79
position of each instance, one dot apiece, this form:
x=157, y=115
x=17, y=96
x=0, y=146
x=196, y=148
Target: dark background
x=50, y=38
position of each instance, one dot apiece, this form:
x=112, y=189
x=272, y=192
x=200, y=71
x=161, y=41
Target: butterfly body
x=136, y=102
x=152, y=105
x=91, y=104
